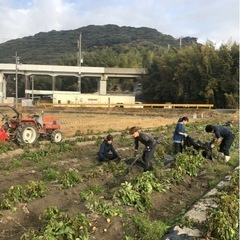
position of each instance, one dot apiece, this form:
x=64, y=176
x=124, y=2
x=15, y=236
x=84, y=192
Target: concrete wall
x=75, y=98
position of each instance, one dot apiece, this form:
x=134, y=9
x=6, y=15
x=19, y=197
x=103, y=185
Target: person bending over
x=150, y=146
x=224, y=137
x=179, y=134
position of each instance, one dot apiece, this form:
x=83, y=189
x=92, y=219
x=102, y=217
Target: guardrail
x=126, y=105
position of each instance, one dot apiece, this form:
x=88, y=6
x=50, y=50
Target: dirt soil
x=165, y=205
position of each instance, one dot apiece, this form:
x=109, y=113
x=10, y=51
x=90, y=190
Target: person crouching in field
x=107, y=151
x=150, y=146
x=225, y=137
x=178, y=134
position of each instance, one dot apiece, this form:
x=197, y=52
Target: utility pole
x=16, y=77
x=32, y=78
x=80, y=50
x=79, y=63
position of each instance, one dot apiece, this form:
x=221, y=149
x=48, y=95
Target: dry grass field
x=103, y=123
x=116, y=119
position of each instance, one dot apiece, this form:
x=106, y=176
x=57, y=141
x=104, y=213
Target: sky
x=207, y=20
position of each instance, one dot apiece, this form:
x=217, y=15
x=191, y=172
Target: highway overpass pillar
x=102, y=85
x=2, y=87
x=53, y=83
x=27, y=86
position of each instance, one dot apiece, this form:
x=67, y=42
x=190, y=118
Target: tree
x=194, y=74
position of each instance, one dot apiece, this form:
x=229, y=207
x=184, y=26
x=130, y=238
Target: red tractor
x=28, y=130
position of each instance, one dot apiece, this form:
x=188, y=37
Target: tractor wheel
x=26, y=134
x=56, y=136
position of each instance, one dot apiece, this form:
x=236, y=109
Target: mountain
x=49, y=47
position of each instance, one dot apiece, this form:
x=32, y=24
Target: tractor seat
x=39, y=120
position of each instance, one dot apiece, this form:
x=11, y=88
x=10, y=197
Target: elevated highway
x=56, y=70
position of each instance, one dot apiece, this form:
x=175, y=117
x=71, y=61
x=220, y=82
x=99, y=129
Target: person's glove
x=185, y=135
x=212, y=145
x=157, y=139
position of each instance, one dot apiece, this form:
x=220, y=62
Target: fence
x=127, y=105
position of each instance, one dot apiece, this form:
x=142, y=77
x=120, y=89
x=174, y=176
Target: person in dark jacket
x=229, y=123
x=107, y=151
x=225, y=137
x=179, y=134
x=150, y=146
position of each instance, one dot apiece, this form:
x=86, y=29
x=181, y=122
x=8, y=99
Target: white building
x=63, y=97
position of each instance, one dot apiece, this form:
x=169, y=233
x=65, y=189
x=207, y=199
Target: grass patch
x=140, y=227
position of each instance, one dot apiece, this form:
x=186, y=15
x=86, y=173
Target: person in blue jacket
x=107, y=151
x=224, y=137
x=179, y=134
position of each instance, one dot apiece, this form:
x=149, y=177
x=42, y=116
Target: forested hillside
x=178, y=71
x=48, y=47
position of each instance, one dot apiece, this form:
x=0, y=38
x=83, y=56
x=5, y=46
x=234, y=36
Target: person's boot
x=220, y=156
x=226, y=158
x=146, y=167
x=150, y=168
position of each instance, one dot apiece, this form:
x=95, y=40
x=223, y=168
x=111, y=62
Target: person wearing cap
x=179, y=134
x=224, y=137
x=229, y=123
x=150, y=146
x=107, y=152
